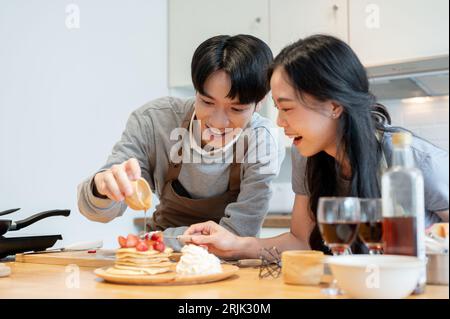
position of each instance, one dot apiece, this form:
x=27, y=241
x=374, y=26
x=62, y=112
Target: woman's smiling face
x=221, y=118
x=312, y=124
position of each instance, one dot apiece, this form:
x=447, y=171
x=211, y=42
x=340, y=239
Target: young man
x=202, y=177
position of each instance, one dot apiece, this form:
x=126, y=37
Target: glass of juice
x=371, y=226
x=338, y=219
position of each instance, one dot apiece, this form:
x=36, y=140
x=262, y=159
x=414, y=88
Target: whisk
x=270, y=263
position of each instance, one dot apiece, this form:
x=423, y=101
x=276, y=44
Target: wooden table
x=52, y=281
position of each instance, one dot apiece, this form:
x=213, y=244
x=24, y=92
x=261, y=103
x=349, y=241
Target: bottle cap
x=402, y=139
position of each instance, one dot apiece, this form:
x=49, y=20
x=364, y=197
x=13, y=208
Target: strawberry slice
x=132, y=241
x=158, y=237
x=150, y=242
x=159, y=246
x=141, y=246
x=122, y=242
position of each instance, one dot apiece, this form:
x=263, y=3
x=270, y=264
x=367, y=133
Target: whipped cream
x=197, y=261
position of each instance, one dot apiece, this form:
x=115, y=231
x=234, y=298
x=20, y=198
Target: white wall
x=65, y=95
x=427, y=117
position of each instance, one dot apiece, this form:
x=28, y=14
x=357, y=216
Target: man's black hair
x=245, y=58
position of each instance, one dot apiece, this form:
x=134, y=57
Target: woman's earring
x=333, y=115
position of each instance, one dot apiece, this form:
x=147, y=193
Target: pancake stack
x=129, y=261
x=142, y=259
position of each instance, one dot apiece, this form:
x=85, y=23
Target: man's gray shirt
x=147, y=138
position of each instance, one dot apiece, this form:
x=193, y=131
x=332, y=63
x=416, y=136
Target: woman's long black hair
x=328, y=69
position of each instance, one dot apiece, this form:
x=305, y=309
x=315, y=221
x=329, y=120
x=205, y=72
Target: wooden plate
x=169, y=278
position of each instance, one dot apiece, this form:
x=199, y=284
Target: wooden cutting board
x=101, y=258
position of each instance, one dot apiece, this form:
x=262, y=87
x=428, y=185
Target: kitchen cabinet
x=291, y=20
x=277, y=22
x=386, y=31
x=192, y=22
x=380, y=31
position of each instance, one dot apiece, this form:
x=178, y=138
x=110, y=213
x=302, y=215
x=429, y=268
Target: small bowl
x=302, y=267
x=437, y=269
x=142, y=195
x=378, y=276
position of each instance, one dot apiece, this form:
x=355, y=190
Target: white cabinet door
x=291, y=20
x=385, y=31
x=193, y=21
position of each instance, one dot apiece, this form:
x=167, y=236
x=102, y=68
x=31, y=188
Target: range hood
x=418, y=78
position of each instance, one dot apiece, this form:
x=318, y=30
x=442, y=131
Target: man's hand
x=115, y=183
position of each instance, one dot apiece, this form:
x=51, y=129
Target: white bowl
x=378, y=276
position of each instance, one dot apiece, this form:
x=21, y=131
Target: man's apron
x=176, y=210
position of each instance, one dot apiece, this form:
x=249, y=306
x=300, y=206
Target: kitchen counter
x=52, y=281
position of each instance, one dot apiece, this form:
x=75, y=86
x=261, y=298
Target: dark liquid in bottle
x=371, y=233
x=339, y=234
x=400, y=236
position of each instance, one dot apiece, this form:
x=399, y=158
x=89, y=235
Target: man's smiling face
x=221, y=117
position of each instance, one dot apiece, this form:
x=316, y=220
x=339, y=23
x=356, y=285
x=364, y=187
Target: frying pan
x=9, y=211
x=17, y=245
x=7, y=225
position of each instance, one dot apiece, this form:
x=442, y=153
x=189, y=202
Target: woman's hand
x=115, y=183
x=217, y=239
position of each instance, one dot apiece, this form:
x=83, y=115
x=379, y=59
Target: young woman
x=340, y=137
x=200, y=177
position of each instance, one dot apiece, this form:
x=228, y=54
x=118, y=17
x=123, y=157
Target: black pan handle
x=32, y=219
x=9, y=211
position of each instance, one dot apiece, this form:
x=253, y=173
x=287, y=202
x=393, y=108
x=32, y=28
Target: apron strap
x=175, y=168
x=234, y=184
x=173, y=172
x=187, y=120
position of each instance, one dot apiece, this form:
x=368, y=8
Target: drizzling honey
x=141, y=200
x=145, y=222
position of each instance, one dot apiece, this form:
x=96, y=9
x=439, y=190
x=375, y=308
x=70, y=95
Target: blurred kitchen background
x=72, y=71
